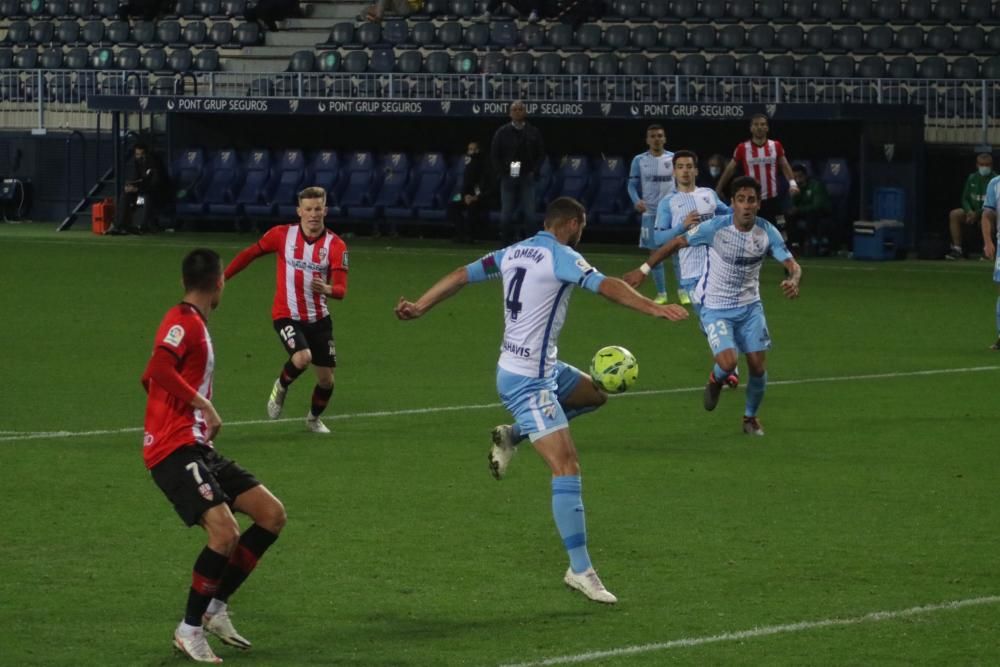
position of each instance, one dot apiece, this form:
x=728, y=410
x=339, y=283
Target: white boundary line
x=768, y=630
x=39, y=435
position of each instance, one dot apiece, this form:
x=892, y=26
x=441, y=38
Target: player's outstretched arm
x=635, y=277
x=441, y=290
x=727, y=174
x=790, y=285
x=242, y=260
x=619, y=291
x=989, y=217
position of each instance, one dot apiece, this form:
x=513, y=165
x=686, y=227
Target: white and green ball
x=614, y=369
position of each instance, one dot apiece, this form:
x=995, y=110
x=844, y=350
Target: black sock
x=252, y=545
x=289, y=373
x=204, y=584
x=320, y=398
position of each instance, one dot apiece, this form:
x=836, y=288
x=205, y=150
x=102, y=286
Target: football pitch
x=863, y=529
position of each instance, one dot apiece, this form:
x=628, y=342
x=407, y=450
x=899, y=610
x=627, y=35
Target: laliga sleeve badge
x=174, y=336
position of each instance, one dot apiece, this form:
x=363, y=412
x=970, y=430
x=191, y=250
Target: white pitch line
x=44, y=435
x=768, y=630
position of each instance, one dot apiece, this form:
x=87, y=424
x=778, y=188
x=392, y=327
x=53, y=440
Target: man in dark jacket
x=139, y=203
x=468, y=210
x=517, y=153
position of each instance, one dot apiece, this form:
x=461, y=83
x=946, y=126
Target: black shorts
x=770, y=209
x=316, y=336
x=196, y=478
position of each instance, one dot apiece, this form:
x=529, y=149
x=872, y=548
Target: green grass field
x=876, y=488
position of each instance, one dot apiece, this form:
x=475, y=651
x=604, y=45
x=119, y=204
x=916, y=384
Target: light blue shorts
x=647, y=235
x=535, y=402
x=996, y=269
x=743, y=328
x=688, y=286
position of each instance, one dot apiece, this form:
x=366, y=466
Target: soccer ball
x=614, y=369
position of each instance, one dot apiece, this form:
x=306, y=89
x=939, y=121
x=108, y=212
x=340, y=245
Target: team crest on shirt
x=205, y=489
x=174, y=336
x=322, y=254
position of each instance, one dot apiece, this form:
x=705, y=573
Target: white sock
x=188, y=630
x=215, y=606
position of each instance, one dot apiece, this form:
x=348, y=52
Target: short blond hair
x=313, y=193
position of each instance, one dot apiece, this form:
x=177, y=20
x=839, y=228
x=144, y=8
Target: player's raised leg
x=577, y=394
x=295, y=343
x=719, y=331
x=223, y=535
x=269, y=518
x=559, y=452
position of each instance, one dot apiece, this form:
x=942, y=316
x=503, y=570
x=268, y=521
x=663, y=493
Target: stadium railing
x=29, y=98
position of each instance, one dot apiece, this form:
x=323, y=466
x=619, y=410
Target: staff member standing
x=517, y=153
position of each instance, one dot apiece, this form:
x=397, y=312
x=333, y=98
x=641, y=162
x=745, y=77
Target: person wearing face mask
x=709, y=178
x=972, y=203
x=468, y=208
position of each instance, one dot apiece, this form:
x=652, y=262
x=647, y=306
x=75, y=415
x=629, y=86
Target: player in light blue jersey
x=988, y=222
x=732, y=315
x=542, y=392
x=650, y=179
x=683, y=209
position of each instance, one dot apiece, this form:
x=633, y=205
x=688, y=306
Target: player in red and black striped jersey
x=761, y=158
x=204, y=487
x=312, y=265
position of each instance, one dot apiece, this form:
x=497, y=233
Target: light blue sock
x=567, y=510
x=660, y=278
x=515, y=432
x=998, y=317
x=755, y=393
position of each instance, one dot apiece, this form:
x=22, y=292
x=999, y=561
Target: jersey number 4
x=513, y=299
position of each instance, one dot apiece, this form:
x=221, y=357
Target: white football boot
x=315, y=425
x=194, y=645
x=221, y=625
x=502, y=452
x=277, y=400
x=588, y=583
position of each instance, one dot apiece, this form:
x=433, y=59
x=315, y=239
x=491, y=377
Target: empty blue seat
x=428, y=184
x=610, y=205
x=357, y=183
x=254, y=188
x=392, y=199
x=289, y=177
x=186, y=173
x=323, y=171
x=836, y=176
x=573, y=178
x=218, y=188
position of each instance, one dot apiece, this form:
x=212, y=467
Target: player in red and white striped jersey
x=760, y=158
x=312, y=265
x=204, y=487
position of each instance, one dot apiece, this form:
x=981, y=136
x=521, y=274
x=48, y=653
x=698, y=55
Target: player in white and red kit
x=203, y=486
x=312, y=265
x=760, y=159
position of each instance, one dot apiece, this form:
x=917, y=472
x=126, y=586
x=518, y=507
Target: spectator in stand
x=808, y=218
x=972, y=203
x=517, y=153
x=709, y=178
x=468, y=210
x=376, y=11
x=533, y=9
x=269, y=12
